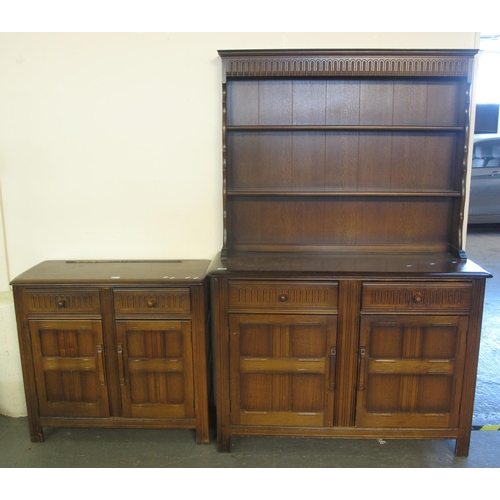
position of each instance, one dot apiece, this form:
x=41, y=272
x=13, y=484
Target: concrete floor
x=483, y=247
x=123, y=448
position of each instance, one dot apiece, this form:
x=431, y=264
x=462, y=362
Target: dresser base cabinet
x=115, y=344
x=343, y=301
x=304, y=347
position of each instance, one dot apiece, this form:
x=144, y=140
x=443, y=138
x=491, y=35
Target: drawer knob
x=151, y=302
x=61, y=303
x=283, y=298
x=417, y=299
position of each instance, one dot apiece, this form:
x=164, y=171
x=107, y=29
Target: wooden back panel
x=345, y=151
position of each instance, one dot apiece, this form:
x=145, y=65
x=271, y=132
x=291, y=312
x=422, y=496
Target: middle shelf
x=332, y=194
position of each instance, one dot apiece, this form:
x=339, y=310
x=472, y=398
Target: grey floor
x=123, y=448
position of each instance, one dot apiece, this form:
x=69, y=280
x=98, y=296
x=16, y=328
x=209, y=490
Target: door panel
x=156, y=372
x=282, y=369
x=69, y=364
x=410, y=372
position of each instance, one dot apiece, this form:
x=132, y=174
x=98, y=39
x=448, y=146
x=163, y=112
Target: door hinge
x=333, y=363
x=362, y=361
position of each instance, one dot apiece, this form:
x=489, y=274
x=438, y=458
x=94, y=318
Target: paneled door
x=410, y=371
x=282, y=369
x=155, y=368
x=68, y=356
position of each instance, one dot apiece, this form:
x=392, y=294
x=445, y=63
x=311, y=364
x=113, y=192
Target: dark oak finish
x=282, y=369
x=115, y=344
x=410, y=371
x=345, y=150
x=343, y=302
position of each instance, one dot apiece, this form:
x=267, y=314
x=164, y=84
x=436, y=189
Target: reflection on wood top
x=115, y=271
x=342, y=265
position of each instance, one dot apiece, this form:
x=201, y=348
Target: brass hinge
x=333, y=364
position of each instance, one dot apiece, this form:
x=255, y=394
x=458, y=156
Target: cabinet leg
x=202, y=440
x=202, y=425
x=223, y=443
x=36, y=432
x=462, y=446
x=202, y=435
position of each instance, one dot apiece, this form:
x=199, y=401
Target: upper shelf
x=341, y=128
x=256, y=193
x=337, y=105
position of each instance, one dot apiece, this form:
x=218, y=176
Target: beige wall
x=110, y=144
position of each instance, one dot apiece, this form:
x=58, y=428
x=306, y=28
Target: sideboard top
x=114, y=271
x=341, y=265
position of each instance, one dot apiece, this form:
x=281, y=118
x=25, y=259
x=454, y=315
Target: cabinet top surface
x=346, y=52
x=438, y=265
x=115, y=271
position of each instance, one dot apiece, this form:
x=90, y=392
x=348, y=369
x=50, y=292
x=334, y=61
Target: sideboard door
x=282, y=369
x=68, y=357
x=410, y=371
x=156, y=372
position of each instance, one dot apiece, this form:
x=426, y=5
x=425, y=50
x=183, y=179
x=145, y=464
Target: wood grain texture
x=345, y=167
x=98, y=354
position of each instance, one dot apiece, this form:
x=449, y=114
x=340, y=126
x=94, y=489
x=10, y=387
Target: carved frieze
x=376, y=63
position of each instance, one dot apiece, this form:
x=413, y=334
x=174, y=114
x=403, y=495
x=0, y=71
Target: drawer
x=449, y=296
x=62, y=300
x=173, y=300
x=283, y=295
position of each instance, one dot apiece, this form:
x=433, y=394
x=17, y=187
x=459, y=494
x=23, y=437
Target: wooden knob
x=61, y=303
x=283, y=298
x=417, y=299
x=151, y=302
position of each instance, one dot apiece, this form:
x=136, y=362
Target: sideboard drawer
x=173, y=300
x=283, y=295
x=449, y=296
x=49, y=300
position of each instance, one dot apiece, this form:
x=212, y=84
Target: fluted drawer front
x=173, y=300
x=276, y=295
x=416, y=296
x=59, y=299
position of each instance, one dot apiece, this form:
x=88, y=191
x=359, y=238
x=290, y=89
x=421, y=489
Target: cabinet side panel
x=470, y=370
x=220, y=334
